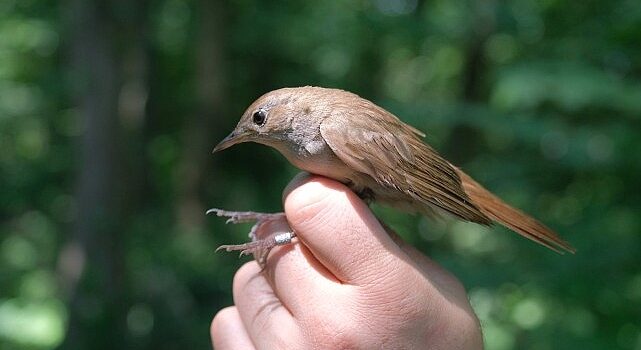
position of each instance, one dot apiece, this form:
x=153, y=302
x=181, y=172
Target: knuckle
x=457, y=326
x=243, y=277
x=347, y=329
x=340, y=337
x=457, y=286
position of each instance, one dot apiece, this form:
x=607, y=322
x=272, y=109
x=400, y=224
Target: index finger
x=341, y=231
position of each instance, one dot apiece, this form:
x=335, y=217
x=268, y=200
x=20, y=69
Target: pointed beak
x=230, y=140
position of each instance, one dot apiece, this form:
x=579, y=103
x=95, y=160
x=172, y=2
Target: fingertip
x=311, y=195
x=244, y=275
x=221, y=318
x=227, y=330
x=267, y=321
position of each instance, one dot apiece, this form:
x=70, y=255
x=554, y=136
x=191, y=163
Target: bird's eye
x=259, y=117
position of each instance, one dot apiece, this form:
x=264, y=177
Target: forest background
x=109, y=111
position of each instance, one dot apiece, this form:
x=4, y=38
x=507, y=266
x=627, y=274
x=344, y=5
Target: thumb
x=340, y=230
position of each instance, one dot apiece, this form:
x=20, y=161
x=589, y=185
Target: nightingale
x=339, y=135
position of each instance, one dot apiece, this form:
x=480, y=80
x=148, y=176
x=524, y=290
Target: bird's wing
x=376, y=143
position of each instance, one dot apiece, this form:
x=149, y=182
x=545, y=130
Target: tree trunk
x=465, y=137
x=202, y=128
x=90, y=264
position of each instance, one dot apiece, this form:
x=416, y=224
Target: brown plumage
x=340, y=135
x=497, y=210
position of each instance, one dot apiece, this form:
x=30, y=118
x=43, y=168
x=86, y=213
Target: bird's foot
x=260, y=248
x=270, y=230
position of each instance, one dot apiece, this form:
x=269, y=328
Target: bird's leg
x=270, y=230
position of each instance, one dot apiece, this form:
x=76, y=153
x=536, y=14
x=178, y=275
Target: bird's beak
x=231, y=139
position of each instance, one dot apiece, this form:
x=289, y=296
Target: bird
x=340, y=135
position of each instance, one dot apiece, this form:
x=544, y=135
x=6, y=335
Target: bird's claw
x=259, y=247
x=239, y=217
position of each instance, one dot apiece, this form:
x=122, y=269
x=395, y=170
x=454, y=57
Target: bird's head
x=277, y=117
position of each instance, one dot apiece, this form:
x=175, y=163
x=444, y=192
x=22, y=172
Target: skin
x=371, y=291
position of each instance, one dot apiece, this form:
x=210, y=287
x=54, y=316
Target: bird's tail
x=512, y=218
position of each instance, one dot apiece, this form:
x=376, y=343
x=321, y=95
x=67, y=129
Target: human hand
x=346, y=284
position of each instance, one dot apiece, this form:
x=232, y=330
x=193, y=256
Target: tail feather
x=512, y=218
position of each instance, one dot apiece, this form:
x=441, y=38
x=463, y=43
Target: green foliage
x=538, y=100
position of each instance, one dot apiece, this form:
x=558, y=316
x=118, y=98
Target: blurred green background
x=109, y=111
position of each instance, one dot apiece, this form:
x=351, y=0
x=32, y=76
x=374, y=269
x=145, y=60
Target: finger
x=299, y=280
x=293, y=272
x=228, y=331
x=268, y=323
x=340, y=231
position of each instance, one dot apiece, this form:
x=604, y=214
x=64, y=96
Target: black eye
x=259, y=117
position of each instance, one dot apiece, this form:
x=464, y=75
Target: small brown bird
x=337, y=134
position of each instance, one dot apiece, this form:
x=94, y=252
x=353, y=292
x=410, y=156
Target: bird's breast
x=316, y=157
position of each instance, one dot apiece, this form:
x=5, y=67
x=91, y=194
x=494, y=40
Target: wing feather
x=378, y=144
